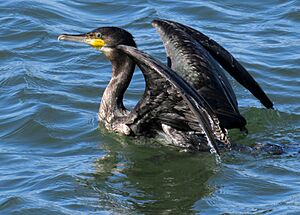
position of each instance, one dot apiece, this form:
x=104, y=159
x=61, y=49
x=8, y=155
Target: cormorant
x=191, y=108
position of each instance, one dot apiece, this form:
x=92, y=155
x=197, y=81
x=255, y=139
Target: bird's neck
x=112, y=106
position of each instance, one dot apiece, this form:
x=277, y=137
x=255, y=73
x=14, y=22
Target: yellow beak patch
x=96, y=43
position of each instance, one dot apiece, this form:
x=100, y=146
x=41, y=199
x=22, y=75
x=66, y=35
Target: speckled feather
x=170, y=100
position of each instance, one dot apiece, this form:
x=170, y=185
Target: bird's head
x=104, y=39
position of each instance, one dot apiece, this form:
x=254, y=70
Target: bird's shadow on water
x=135, y=176
x=142, y=176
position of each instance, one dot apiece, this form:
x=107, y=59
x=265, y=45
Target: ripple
x=54, y=158
x=10, y=202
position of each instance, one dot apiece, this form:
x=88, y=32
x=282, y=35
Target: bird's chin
x=109, y=52
x=104, y=48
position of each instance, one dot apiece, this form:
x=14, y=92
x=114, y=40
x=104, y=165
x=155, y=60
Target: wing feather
x=154, y=70
x=228, y=62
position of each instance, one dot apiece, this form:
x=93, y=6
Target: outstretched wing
x=164, y=85
x=195, y=64
x=228, y=62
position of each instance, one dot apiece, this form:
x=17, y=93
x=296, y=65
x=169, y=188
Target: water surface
x=56, y=160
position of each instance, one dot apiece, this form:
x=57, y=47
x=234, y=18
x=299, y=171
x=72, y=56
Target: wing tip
x=268, y=104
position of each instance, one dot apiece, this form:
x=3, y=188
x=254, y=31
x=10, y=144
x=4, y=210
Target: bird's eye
x=98, y=35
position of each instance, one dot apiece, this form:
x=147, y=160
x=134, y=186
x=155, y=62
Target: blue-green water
x=54, y=158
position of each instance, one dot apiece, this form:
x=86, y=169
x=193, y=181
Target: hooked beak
x=75, y=38
x=83, y=38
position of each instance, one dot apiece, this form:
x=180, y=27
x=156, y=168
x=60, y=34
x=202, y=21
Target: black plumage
x=227, y=61
x=189, y=108
x=195, y=57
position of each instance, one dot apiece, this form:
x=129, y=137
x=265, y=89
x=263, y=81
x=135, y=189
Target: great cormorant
x=191, y=108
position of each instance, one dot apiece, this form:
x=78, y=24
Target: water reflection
x=134, y=177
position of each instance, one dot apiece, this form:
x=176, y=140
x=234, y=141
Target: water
x=55, y=159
